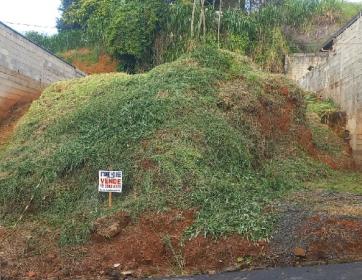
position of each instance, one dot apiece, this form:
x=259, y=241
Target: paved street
x=325, y=272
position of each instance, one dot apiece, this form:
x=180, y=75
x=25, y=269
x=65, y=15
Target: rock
x=65, y=272
x=115, y=275
x=232, y=268
x=110, y=226
x=116, y=265
x=299, y=252
x=127, y=273
x=147, y=261
x=211, y=272
x=3, y=263
x=31, y=274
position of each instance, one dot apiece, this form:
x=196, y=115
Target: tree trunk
x=203, y=18
x=193, y=18
x=219, y=24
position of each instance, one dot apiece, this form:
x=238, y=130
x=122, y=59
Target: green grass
x=187, y=134
x=87, y=56
x=319, y=106
x=349, y=182
x=349, y=10
x=324, y=139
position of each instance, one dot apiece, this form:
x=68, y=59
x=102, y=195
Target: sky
x=20, y=13
x=31, y=12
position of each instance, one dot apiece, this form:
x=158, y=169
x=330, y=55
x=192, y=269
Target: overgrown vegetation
x=142, y=34
x=327, y=124
x=208, y=132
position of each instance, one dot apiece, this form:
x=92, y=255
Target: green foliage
x=323, y=138
x=65, y=6
x=319, y=106
x=83, y=55
x=171, y=132
x=271, y=50
x=142, y=34
x=60, y=42
x=132, y=31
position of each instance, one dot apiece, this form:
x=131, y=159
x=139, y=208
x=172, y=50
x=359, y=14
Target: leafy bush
x=132, y=31
x=60, y=42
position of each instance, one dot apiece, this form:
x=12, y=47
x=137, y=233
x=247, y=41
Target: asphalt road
x=351, y=271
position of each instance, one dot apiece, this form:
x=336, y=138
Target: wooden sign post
x=110, y=200
x=110, y=182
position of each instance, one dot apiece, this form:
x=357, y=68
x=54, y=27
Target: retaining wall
x=340, y=78
x=26, y=69
x=299, y=64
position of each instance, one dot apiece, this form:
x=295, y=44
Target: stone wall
x=26, y=69
x=299, y=64
x=340, y=78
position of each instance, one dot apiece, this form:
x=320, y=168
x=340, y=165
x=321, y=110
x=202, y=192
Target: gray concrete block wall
x=26, y=69
x=340, y=78
x=297, y=64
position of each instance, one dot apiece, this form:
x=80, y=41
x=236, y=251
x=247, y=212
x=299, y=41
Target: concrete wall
x=297, y=64
x=26, y=69
x=340, y=78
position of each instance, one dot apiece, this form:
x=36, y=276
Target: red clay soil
x=306, y=141
x=154, y=245
x=332, y=238
x=280, y=119
x=8, y=125
x=203, y=254
x=105, y=63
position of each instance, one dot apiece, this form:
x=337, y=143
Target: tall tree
x=219, y=24
x=62, y=24
x=193, y=18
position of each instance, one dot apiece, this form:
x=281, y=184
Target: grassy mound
x=207, y=132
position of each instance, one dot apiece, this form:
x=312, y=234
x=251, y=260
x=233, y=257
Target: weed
x=176, y=254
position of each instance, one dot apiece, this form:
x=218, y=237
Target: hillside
x=90, y=61
x=209, y=146
x=319, y=27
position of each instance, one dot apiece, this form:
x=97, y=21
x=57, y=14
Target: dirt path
x=321, y=226
x=8, y=125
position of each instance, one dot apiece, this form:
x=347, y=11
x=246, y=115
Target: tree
x=62, y=24
x=132, y=31
x=65, y=4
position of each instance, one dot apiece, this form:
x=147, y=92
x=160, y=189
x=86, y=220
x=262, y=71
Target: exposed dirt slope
x=7, y=126
x=91, y=61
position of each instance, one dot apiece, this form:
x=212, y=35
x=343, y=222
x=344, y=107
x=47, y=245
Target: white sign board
x=110, y=181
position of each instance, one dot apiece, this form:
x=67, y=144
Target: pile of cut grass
x=188, y=134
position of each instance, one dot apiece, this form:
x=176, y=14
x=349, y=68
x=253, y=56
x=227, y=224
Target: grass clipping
x=207, y=132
